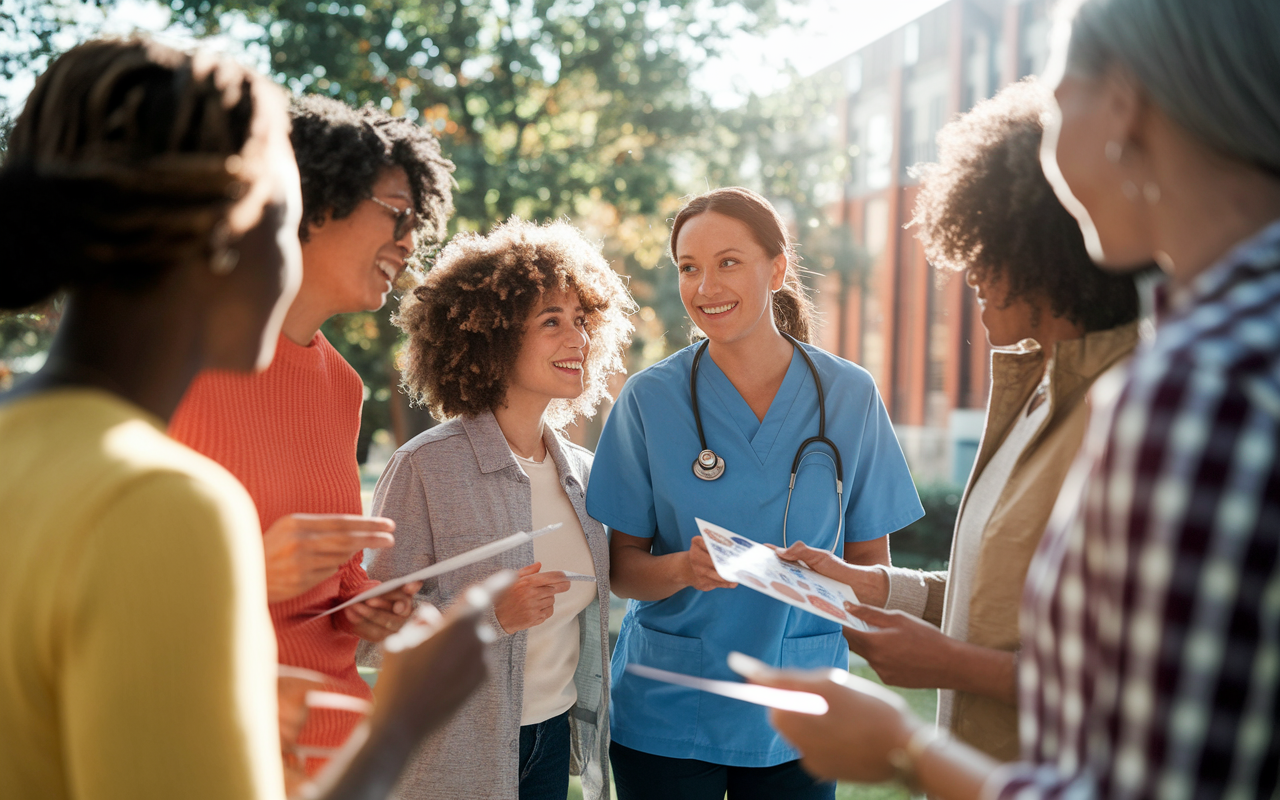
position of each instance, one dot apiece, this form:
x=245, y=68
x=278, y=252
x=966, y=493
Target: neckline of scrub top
x=759, y=434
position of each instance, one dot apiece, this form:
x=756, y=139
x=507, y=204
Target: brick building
x=923, y=342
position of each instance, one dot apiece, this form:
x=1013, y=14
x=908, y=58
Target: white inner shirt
x=554, y=644
x=973, y=521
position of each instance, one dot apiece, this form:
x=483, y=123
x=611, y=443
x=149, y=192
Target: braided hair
x=130, y=158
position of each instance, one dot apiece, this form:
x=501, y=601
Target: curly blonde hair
x=465, y=320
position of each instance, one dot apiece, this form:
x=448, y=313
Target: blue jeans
x=643, y=776
x=544, y=759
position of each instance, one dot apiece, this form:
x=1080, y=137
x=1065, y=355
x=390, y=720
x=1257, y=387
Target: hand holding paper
x=758, y=567
x=304, y=549
x=703, y=575
x=871, y=584
x=448, y=565
x=531, y=599
x=850, y=742
x=378, y=617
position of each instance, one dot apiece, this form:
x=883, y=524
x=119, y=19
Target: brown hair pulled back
x=128, y=158
x=792, y=309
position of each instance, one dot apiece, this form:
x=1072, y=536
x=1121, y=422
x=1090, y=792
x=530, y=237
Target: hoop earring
x=1113, y=151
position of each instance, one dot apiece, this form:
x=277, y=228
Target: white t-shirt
x=552, y=655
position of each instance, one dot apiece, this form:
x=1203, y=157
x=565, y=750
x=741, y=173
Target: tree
x=578, y=108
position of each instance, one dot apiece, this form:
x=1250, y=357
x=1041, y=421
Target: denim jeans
x=544, y=759
x=643, y=776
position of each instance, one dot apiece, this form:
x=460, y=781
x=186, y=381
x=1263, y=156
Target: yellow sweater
x=136, y=653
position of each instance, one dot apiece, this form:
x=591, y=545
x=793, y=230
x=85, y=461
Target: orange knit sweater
x=289, y=435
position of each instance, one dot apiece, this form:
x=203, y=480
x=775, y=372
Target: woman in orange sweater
x=373, y=188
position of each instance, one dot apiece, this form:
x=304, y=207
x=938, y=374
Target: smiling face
x=351, y=264
x=726, y=278
x=553, y=351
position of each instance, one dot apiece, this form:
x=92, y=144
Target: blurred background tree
x=549, y=108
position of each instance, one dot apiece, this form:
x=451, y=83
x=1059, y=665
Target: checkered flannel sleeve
x=1151, y=629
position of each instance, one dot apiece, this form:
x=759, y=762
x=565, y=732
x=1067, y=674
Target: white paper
x=448, y=565
x=751, y=564
x=781, y=699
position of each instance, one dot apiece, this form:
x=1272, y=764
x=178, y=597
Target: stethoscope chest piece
x=708, y=466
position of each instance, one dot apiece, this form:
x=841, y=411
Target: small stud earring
x=223, y=263
x=1151, y=192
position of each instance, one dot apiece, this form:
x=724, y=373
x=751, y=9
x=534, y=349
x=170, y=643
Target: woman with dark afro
x=375, y=192
x=1057, y=322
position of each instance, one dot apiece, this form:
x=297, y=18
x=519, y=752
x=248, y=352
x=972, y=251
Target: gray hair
x=1213, y=66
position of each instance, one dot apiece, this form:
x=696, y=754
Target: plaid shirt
x=1151, y=615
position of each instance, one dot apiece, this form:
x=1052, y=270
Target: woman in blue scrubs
x=758, y=402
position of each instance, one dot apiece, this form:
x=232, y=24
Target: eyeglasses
x=406, y=218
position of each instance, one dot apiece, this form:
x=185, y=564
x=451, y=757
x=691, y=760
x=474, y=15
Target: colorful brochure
x=751, y=564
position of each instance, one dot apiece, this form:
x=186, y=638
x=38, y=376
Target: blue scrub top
x=642, y=484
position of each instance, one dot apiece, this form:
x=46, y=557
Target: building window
x=853, y=73
x=879, y=151
x=911, y=44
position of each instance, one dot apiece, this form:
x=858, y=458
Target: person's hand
x=304, y=549
x=701, y=570
x=531, y=599
x=870, y=584
x=419, y=688
x=292, y=685
x=378, y=617
x=852, y=740
x=903, y=650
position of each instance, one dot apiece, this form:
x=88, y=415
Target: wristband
x=904, y=759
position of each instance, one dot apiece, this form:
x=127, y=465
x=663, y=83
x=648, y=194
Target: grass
x=922, y=701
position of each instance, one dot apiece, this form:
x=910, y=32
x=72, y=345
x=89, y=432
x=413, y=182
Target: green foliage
x=579, y=108
x=549, y=108
x=926, y=543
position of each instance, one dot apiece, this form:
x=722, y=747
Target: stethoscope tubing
x=709, y=466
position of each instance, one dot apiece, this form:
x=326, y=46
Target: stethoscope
x=708, y=466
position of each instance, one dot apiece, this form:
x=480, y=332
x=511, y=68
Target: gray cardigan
x=452, y=489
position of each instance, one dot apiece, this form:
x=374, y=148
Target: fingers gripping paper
x=755, y=566
x=448, y=565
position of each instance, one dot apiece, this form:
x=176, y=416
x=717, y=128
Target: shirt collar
x=493, y=453
x=1261, y=249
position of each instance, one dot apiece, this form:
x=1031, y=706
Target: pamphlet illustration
x=753, y=565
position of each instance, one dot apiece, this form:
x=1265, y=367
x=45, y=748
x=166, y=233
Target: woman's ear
x=779, y=276
x=1125, y=116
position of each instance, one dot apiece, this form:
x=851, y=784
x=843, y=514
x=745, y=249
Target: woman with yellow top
x=158, y=190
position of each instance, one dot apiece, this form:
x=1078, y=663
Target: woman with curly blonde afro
x=510, y=337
